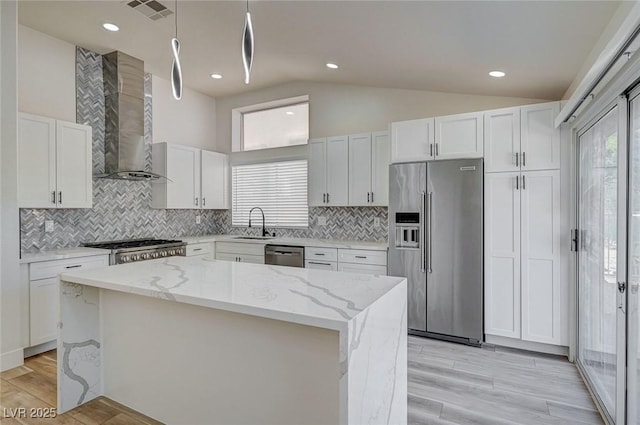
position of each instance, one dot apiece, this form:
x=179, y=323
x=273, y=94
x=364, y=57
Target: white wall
x=190, y=121
x=10, y=295
x=337, y=109
x=47, y=75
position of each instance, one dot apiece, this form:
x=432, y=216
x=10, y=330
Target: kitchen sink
x=254, y=237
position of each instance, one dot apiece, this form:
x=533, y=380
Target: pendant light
x=176, y=69
x=247, y=46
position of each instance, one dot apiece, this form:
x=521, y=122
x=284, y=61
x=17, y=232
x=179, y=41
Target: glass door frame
x=622, y=103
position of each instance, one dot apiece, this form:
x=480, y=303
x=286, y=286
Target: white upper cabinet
x=317, y=172
x=183, y=189
x=542, y=300
x=54, y=163
x=369, y=169
x=328, y=171
x=412, y=140
x=214, y=168
x=459, y=136
x=502, y=140
x=540, y=140
x=360, y=169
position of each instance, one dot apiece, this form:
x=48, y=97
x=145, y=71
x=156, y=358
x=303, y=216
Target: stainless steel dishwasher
x=282, y=255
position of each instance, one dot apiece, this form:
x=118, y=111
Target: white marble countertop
x=62, y=254
x=324, y=243
x=318, y=298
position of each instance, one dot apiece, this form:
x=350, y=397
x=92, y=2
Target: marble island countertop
x=304, y=296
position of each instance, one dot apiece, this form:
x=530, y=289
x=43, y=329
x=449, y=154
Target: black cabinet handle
x=73, y=267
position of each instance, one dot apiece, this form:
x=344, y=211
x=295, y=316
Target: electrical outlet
x=197, y=219
x=48, y=226
x=376, y=222
x=321, y=221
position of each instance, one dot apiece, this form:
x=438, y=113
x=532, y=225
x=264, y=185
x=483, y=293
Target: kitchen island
x=194, y=341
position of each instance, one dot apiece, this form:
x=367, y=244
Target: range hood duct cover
x=123, y=77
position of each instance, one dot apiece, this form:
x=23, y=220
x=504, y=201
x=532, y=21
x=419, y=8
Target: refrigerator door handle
x=423, y=236
x=430, y=202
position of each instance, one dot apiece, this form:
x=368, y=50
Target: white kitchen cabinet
x=214, y=186
x=522, y=138
x=459, y=136
x=240, y=258
x=240, y=252
x=194, y=177
x=362, y=268
x=321, y=253
x=362, y=261
x=44, y=293
x=502, y=140
x=54, y=163
x=412, y=140
x=201, y=249
x=328, y=171
x=540, y=257
x=523, y=289
x=540, y=140
x=321, y=265
x=369, y=169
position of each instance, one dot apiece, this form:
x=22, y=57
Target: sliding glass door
x=600, y=265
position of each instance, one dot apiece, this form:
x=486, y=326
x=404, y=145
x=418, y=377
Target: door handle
x=523, y=183
x=423, y=236
x=429, y=202
x=517, y=159
x=73, y=267
x=204, y=201
x=368, y=196
x=517, y=183
x=321, y=264
x=437, y=150
x=324, y=198
x=60, y=197
x=53, y=197
x=622, y=286
x=524, y=159
x=364, y=257
x=430, y=149
x=196, y=201
x=372, y=197
x=327, y=198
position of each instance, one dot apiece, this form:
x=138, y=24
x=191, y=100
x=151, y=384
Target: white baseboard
x=558, y=350
x=40, y=348
x=11, y=359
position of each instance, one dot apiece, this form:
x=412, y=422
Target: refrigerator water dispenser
x=407, y=230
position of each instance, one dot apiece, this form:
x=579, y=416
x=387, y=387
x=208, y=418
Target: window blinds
x=279, y=188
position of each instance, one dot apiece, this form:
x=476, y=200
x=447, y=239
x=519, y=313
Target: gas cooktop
x=131, y=243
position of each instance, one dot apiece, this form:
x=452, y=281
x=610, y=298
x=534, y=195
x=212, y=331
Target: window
x=276, y=127
x=279, y=188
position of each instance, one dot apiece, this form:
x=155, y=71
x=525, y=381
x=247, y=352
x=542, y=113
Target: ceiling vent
x=152, y=9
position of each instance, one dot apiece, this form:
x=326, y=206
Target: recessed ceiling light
x=216, y=76
x=332, y=65
x=497, y=74
x=110, y=27
x=289, y=112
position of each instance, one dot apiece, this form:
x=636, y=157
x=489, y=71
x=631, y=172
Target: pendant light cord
x=176, y=18
x=247, y=5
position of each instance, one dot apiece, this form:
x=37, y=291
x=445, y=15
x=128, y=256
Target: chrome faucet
x=264, y=231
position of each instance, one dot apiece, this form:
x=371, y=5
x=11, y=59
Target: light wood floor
x=448, y=384
x=456, y=384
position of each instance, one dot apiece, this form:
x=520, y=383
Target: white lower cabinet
x=202, y=249
x=524, y=292
x=346, y=260
x=240, y=252
x=44, y=293
x=362, y=268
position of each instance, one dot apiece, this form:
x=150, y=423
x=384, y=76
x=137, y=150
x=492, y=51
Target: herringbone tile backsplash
x=122, y=210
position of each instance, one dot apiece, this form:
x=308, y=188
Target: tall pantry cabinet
x=525, y=294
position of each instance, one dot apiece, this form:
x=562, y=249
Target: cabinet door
x=502, y=254
x=183, y=172
x=36, y=162
x=74, y=165
x=254, y=259
x=337, y=171
x=214, y=171
x=541, y=286
x=502, y=140
x=317, y=172
x=226, y=256
x=540, y=146
x=362, y=268
x=380, y=168
x=412, y=140
x=321, y=265
x=459, y=136
x=360, y=169
x=43, y=310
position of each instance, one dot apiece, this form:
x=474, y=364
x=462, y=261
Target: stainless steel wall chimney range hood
x=124, y=118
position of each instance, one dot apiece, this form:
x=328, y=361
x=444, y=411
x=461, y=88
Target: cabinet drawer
x=240, y=258
x=240, y=248
x=321, y=265
x=324, y=254
x=362, y=256
x=49, y=269
x=198, y=249
x=362, y=268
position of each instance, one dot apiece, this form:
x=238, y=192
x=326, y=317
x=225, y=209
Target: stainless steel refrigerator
x=435, y=241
